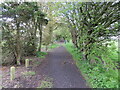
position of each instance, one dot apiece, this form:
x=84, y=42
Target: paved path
x=60, y=66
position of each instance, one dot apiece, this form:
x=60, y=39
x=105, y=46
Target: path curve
x=60, y=66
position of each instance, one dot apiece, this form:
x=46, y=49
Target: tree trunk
x=18, y=46
x=34, y=36
x=46, y=47
x=40, y=40
x=18, y=59
x=74, y=38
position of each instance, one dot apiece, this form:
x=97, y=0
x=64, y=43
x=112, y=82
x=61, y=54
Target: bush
x=7, y=58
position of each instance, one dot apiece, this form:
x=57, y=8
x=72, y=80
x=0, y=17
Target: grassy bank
x=96, y=74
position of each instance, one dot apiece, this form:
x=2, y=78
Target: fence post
x=12, y=73
x=27, y=63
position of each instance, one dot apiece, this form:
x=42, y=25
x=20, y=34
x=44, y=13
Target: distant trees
x=53, y=24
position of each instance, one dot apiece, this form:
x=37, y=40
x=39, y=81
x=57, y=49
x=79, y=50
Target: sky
x=56, y=0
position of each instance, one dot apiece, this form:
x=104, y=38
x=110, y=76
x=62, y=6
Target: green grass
x=41, y=54
x=36, y=63
x=53, y=46
x=29, y=73
x=96, y=75
x=46, y=83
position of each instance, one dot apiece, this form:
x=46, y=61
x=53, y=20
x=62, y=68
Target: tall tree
x=21, y=24
x=91, y=24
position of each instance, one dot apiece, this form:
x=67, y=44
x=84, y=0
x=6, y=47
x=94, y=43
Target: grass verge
x=96, y=75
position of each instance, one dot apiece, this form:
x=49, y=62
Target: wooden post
x=27, y=63
x=12, y=73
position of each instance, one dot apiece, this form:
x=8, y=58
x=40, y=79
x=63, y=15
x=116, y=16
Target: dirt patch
x=58, y=66
x=22, y=81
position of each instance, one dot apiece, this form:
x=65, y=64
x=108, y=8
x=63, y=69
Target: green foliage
x=90, y=32
x=62, y=32
x=41, y=54
x=97, y=75
x=19, y=29
x=53, y=46
x=29, y=73
x=29, y=48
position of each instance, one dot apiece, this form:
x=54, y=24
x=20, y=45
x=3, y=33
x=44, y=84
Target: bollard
x=27, y=63
x=12, y=73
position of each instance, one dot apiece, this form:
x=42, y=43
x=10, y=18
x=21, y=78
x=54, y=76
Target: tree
x=91, y=24
x=20, y=26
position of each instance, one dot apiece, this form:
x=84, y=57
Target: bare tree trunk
x=46, y=47
x=74, y=38
x=40, y=40
x=34, y=35
x=18, y=47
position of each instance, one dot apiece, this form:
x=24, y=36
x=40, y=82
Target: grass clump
x=41, y=54
x=46, y=83
x=53, y=46
x=29, y=73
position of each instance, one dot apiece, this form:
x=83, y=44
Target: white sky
x=56, y=0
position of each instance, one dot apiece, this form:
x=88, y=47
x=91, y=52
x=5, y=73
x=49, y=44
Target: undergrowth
x=41, y=54
x=97, y=75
